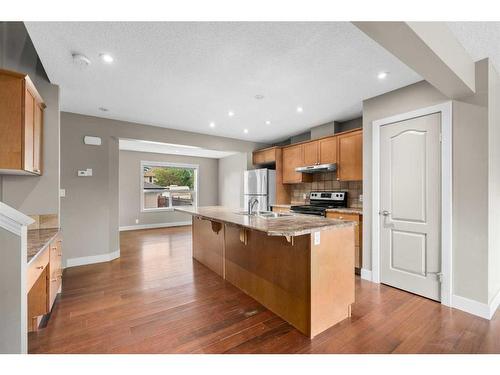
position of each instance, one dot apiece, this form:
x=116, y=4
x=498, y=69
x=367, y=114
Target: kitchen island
x=298, y=266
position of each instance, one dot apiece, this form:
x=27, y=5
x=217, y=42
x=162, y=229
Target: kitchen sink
x=266, y=214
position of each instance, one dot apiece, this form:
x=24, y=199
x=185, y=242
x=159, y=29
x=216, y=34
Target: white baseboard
x=470, y=306
x=494, y=303
x=152, y=226
x=366, y=274
x=81, y=261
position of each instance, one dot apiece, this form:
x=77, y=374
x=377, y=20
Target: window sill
x=166, y=209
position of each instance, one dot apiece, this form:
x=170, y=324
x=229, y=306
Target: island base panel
x=308, y=284
x=272, y=271
x=208, y=244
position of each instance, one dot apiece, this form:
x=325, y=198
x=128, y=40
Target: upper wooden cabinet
x=293, y=157
x=265, y=156
x=350, y=156
x=328, y=150
x=311, y=153
x=21, y=125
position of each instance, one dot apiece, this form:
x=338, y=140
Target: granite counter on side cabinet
x=39, y=239
x=294, y=225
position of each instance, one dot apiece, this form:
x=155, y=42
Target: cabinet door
x=293, y=157
x=29, y=121
x=37, y=139
x=311, y=153
x=55, y=279
x=350, y=166
x=328, y=150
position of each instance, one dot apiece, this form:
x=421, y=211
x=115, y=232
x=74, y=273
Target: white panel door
x=410, y=216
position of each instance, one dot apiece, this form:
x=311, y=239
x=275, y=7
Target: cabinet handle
x=39, y=268
x=36, y=170
x=341, y=218
x=53, y=280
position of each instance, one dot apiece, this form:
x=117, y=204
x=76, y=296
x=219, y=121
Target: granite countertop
x=38, y=239
x=345, y=210
x=294, y=225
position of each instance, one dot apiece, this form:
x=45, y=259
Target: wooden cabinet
x=311, y=153
x=265, y=156
x=358, y=234
x=21, y=125
x=350, y=156
x=44, y=280
x=293, y=157
x=328, y=150
x=55, y=269
x=280, y=209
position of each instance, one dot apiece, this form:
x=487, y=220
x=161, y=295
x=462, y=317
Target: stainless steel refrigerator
x=261, y=185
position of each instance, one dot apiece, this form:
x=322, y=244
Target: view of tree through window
x=166, y=186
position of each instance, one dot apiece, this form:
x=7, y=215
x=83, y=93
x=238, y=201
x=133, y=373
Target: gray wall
x=31, y=194
x=130, y=189
x=90, y=210
x=231, y=179
x=13, y=309
x=494, y=183
x=470, y=173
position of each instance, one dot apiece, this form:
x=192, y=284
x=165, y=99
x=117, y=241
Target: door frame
x=445, y=109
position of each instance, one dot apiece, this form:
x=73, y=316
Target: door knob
x=384, y=213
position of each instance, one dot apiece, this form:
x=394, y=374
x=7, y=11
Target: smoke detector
x=81, y=60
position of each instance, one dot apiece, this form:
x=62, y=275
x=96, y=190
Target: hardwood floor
x=156, y=299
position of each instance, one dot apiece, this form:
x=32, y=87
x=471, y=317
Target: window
x=168, y=185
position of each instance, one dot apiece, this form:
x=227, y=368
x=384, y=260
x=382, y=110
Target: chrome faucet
x=251, y=204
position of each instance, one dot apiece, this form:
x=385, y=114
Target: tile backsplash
x=328, y=181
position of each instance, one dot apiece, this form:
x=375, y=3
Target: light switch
x=62, y=193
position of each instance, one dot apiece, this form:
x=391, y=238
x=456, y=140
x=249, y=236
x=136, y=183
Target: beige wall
x=494, y=183
x=130, y=190
x=90, y=210
x=470, y=174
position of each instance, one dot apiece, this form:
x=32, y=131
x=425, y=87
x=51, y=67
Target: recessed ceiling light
x=245, y=131
x=268, y=122
x=103, y=109
x=300, y=109
x=259, y=96
x=106, y=58
x=230, y=113
x=382, y=75
x=212, y=124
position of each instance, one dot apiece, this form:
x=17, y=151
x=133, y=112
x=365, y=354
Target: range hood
x=318, y=168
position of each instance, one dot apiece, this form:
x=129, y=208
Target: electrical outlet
x=137, y=221
x=62, y=193
x=361, y=197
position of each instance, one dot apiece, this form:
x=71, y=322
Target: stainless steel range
x=320, y=201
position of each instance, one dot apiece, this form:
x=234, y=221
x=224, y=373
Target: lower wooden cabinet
x=358, y=233
x=44, y=281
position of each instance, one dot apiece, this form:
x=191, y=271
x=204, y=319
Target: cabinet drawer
x=280, y=209
x=342, y=216
x=36, y=267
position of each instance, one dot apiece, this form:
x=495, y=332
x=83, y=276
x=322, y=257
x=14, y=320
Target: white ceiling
x=185, y=75
x=480, y=39
x=172, y=149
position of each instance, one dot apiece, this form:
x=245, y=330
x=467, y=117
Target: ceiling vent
x=81, y=60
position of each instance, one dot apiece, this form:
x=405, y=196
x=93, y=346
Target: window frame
x=145, y=163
